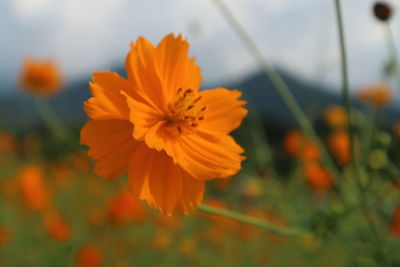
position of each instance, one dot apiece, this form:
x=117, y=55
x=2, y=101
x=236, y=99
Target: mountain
x=17, y=111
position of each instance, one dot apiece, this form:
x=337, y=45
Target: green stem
x=393, y=51
x=345, y=80
x=369, y=134
x=279, y=84
x=269, y=227
x=260, y=143
x=392, y=43
x=51, y=120
x=346, y=102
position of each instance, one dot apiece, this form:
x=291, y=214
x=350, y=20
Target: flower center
x=185, y=114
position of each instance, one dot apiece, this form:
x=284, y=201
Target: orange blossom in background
x=40, y=77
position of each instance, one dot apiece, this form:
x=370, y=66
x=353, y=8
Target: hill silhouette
x=17, y=111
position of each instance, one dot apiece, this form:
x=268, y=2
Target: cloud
x=27, y=9
x=91, y=35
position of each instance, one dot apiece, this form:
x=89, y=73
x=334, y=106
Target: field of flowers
x=57, y=213
x=165, y=174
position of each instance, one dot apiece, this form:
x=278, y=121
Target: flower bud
x=382, y=11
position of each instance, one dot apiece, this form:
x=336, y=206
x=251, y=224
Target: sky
x=85, y=36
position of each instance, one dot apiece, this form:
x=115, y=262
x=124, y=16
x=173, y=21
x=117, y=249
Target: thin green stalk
x=367, y=142
x=269, y=227
x=347, y=105
x=51, y=120
x=393, y=52
x=369, y=134
x=279, y=84
x=258, y=137
x=392, y=43
x=345, y=80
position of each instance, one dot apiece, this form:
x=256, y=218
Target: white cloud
x=27, y=9
x=90, y=35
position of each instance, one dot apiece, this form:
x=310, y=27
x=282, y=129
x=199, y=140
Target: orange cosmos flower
x=160, y=129
x=89, y=256
x=335, y=116
x=300, y=147
x=188, y=246
x=125, y=208
x=252, y=189
x=81, y=161
x=57, y=227
x=96, y=216
x=378, y=95
x=162, y=240
x=318, y=177
x=395, y=224
x=339, y=145
x=8, y=142
x=40, y=77
x=33, y=188
x=4, y=236
x=396, y=129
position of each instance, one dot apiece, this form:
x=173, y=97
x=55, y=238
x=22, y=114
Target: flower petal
x=167, y=187
x=111, y=144
x=142, y=115
x=107, y=101
x=224, y=111
x=174, y=67
x=202, y=155
x=142, y=74
x=156, y=75
x=205, y=157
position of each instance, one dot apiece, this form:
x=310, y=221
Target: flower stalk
x=264, y=225
x=51, y=120
x=369, y=133
x=279, y=85
x=359, y=171
x=393, y=52
x=392, y=44
x=346, y=92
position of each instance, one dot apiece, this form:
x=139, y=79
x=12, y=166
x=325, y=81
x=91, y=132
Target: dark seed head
x=382, y=11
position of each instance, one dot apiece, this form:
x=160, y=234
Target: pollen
x=186, y=112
